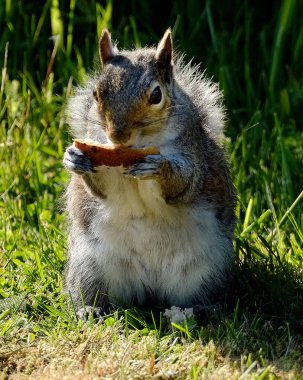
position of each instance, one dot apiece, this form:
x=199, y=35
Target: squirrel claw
x=74, y=160
x=150, y=167
x=154, y=158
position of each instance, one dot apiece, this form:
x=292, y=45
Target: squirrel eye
x=95, y=95
x=156, y=96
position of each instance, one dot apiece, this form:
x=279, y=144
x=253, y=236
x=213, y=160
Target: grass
x=256, y=53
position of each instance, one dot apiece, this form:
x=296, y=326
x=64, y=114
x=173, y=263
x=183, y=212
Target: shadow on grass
x=261, y=317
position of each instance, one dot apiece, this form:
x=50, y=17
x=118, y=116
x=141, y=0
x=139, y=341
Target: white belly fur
x=141, y=242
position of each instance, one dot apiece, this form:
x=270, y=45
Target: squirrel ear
x=106, y=48
x=164, y=53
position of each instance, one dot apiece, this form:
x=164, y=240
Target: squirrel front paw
x=74, y=160
x=150, y=167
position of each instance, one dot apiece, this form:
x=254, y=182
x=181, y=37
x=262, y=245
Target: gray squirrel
x=160, y=231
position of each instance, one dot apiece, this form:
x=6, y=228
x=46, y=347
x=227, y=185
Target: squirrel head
x=134, y=90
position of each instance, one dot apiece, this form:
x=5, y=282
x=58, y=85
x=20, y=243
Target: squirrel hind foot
x=85, y=313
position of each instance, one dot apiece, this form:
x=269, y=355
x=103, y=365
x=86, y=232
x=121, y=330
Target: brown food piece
x=100, y=154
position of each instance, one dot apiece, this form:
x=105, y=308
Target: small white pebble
x=177, y=315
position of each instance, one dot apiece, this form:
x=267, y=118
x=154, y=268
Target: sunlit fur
x=164, y=233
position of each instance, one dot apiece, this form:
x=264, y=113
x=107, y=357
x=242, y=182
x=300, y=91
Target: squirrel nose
x=119, y=136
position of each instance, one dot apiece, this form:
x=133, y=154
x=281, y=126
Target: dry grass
x=96, y=351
